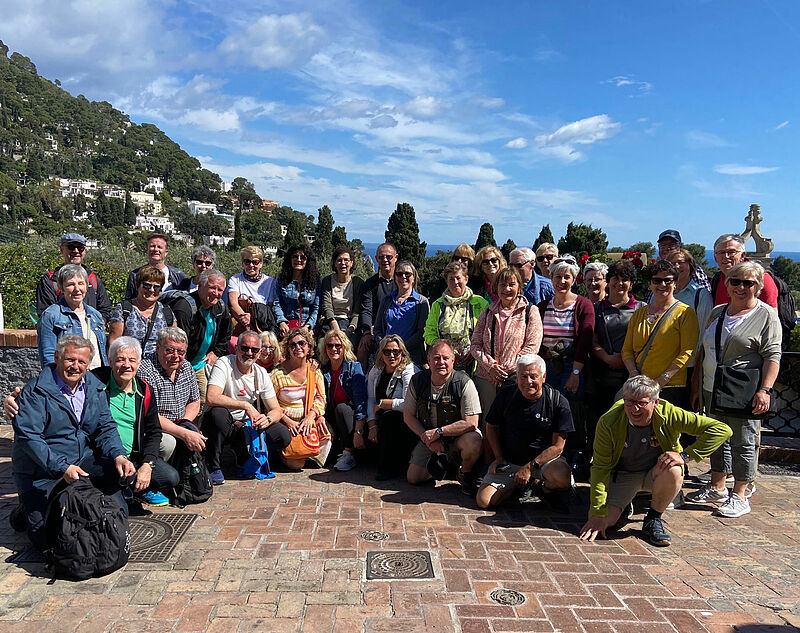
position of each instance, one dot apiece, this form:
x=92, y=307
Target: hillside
x=46, y=131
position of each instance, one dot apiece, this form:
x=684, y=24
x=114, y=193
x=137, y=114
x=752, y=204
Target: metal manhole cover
x=373, y=536
x=507, y=597
x=785, y=469
x=399, y=565
x=154, y=537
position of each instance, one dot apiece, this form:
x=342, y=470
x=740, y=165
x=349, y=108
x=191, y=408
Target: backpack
x=92, y=281
x=178, y=301
x=194, y=483
x=786, y=304
x=87, y=532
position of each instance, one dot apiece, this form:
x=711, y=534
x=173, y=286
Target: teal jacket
x=669, y=422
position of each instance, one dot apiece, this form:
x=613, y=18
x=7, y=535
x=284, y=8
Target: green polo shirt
x=123, y=410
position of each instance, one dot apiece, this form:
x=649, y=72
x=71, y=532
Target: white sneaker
x=678, y=501
x=750, y=490
x=706, y=476
x=345, y=462
x=707, y=494
x=734, y=507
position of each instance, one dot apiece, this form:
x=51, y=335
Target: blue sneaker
x=153, y=498
x=217, y=478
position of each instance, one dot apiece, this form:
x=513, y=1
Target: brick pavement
x=285, y=555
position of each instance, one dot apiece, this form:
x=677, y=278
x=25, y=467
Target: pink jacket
x=519, y=339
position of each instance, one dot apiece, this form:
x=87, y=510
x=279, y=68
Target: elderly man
x=527, y=428
x=157, y=250
x=173, y=380
x=537, y=288
x=239, y=389
x=63, y=431
x=637, y=447
x=669, y=241
x=442, y=408
x=373, y=291
x=73, y=250
x=546, y=254
x=728, y=251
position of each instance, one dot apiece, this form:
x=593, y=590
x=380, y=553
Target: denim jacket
x=353, y=382
x=58, y=320
x=285, y=303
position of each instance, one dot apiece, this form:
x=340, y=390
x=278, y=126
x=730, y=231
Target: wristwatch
x=361, y=431
x=576, y=372
x=685, y=457
x=439, y=431
x=768, y=390
x=150, y=463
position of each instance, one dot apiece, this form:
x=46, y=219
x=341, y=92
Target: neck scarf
x=254, y=278
x=456, y=317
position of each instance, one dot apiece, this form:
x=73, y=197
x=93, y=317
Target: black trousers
x=219, y=428
x=395, y=443
x=342, y=418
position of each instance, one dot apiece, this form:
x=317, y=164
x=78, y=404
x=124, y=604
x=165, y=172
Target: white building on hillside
x=156, y=184
x=155, y=223
x=197, y=207
x=146, y=201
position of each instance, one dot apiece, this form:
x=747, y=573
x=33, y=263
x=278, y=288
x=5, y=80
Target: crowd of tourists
x=515, y=381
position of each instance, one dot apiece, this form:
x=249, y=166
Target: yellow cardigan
x=674, y=342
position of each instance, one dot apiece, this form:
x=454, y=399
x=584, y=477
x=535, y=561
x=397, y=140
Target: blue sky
x=632, y=116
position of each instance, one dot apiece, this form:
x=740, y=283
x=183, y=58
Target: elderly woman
x=507, y=329
x=594, y=280
x=203, y=258
x=71, y=316
x=404, y=312
x=745, y=334
x=144, y=317
x=464, y=254
x=488, y=263
x=688, y=289
x=291, y=382
x=296, y=297
x=386, y=391
x=248, y=287
x=546, y=254
x=346, y=395
x=341, y=295
x=662, y=337
x=270, y=354
x=453, y=315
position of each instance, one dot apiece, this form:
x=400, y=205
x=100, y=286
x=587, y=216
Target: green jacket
x=669, y=422
x=431, y=333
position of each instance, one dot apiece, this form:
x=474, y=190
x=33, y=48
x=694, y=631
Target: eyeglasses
x=249, y=350
x=404, y=274
x=541, y=258
x=747, y=283
x=636, y=404
x=251, y=262
x=661, y=281
x=494, y=261
x=729, y=253
x=151, y=287
x=296, y=344
x=391, y=352
x=76, y=247
x=343, y=260
x=204, y=263
x=268, y=348
x=463, y=260
x=169, y=351
x=384, y=258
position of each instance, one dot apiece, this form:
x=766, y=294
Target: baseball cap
x=671, y=233
x=72, y=238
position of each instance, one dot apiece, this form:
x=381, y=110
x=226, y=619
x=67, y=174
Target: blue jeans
x=577, y=441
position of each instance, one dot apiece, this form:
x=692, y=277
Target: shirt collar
x=64, y=387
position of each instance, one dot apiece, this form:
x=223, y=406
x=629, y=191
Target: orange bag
x=305, y=446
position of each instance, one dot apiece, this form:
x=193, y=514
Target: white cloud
x=383, y=121
x=780, y=126
x=703, y=140
x=734, y=169
x=490, y=103
x=517, y=143
x=623, y=81
x=275, y=41
x=211, y=120
x=562, y=142
x=423, y=107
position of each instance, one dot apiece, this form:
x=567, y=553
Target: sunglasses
x=295, y=344
x=151, y=287
x=404, y=274
x=747, y=283
x=492, y=260
x=203, y=262
x=384, y=258
x=520, y=266
x=391, y=352
x=252, y=262
x=541, y=258
x=334, y=345
x=250, y=350
x=463, y=260
x=299, y=256
x=661, y=281
x=76, y=247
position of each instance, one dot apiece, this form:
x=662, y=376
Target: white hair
x=124, y=342
x=531, y=359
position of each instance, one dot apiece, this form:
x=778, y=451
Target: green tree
x=545, y=235
x=582, y=238
x=338, y=238
x=322, y=241
x=485, y=237
x=698, y=251
x=129, y=212
x=238, y=237
x=295, y=233
x=34, y=168
x=244, y=191
x=507, y=248
x=644, y=247
x=102, y=210
x=787, y=270
x=402, y=231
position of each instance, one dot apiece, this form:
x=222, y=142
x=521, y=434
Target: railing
x=786, y=422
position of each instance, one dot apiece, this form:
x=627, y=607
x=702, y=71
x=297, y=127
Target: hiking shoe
x=217, y=478
x=678, y=501
x=469, y=483
x=707, y=494
x=655, y=533
x=18, y=519
x=154, y=498
x=706, y=476
x=750, y=490
x=733, y=507
x=345, y=462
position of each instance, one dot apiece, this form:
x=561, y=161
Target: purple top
x=77, y=398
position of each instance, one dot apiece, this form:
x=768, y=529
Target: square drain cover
x=398, y=565
x=154, y=537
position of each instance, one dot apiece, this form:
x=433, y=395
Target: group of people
x=510, y=381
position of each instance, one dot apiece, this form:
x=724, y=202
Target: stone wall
x=19, y=361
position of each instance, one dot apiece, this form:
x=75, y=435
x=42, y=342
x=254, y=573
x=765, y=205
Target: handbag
x=257, y=465
x=735, y=387
x=308, y=445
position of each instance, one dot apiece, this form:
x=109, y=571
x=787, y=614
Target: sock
x=652, y=514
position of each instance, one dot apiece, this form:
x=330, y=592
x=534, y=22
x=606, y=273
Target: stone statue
x=764, y=245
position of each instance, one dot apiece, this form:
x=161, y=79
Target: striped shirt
x=558, y=325
x=291, y=394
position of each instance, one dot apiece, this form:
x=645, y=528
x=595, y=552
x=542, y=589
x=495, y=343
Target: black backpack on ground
x=87, y=532
x=194, y=485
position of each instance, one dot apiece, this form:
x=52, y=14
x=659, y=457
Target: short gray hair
x=546, y=246
x=754, y=268
x=641, y=386
x=124, y=342
x=70, y=271
x=532, y=359
x=729, y=237
x=526, y=253
x=204, y=251
x=173, y=334
x=210, y=273
x=248, y=333
x=600, y=267
x=74, y=340
x=565, y=262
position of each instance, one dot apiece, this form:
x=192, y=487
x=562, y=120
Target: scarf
x=253, y=278
x=456, y=317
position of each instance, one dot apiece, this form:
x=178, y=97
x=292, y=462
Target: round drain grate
x=507, y=597
x=399, y=565
x=374, y=536
x=149, y=531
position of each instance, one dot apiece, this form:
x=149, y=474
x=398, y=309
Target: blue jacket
x=58, y=320
x=538, y=289
x=48, y=437
x=353, y=382
x=289, y=300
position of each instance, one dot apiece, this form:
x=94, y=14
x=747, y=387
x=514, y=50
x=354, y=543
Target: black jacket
x=47, y=295
x=192, y=322
x=373, y=290
x=176, y=276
